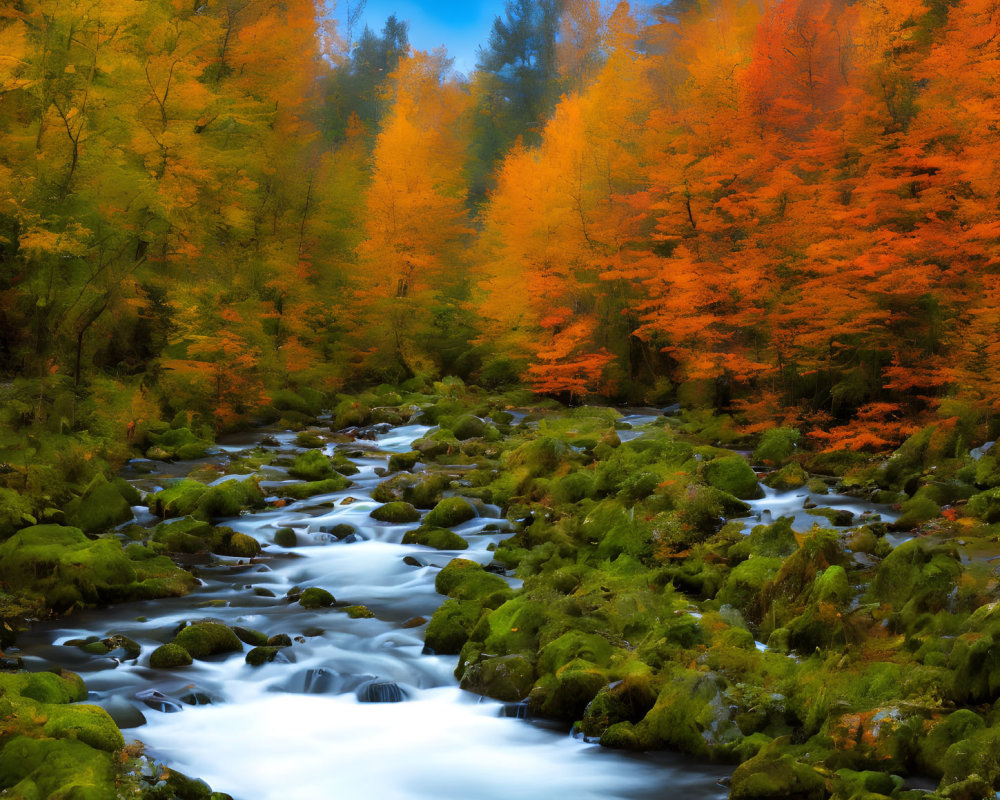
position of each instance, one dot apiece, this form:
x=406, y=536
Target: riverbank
x=809, y=654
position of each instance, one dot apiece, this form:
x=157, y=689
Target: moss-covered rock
x=745, y=584
x=450, y=626
x=64, y=568
x=315, y=597
x=733, y=475
x=566, y=693
x=628, y=700
x=56, y=768
x=776, y=540
x=351, y=414
x=177, y=443
x=776, y=446
x=179, y=499
x=917, y=577
x=438, y=538
x=790, y=476
x=15, y=512
x=403, y=461
x=227, y=542
x=249, y=636
x=449, y=512
x=89, y=724
x=359, y=612
x=168, y=656
x=396, y=512
x=468, y=427
x=690, y=714
x=259, y=656
x=183, y=535
x=205, y=639
x=506, y=678
x=770, y=775
x=467, y=580
x=300, y=491
x=285, y=537
x=312, y=465
x=985, y=505
x=101, y=507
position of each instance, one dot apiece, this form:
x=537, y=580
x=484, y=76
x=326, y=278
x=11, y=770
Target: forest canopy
x=789, y=209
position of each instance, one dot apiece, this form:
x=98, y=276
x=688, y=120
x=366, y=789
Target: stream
x=305, y=726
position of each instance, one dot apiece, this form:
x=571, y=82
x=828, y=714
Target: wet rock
x=314, y=597
x=129, y=648
x=285, y=537
x=124, y=714
x=414, y=622
x=450, y=626
x=158, y=701
x=464, y=579
x=359, y=612
x=396, y=512
x=628, y=700
x=411, y=561
x=263, y=591
x=279, y=640
x=380, y=692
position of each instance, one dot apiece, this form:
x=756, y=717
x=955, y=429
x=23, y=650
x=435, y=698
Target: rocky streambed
x=466, y=607
x=350, y=704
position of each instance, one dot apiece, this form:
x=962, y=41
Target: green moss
x=449, y=628
x=917, y=510
x=65, y=567
x=229, y=499
x=285, y=537
x=315, y=597
x=396, y=512
x=776, y=540
x=249, y=636
x=976, y=756
x=438, y=538
x=351, y=414
x=955, y=727
x=506, y=678
x=566, y=693
x=449, y=512
x=46, y=687
x=259, y=656
x=184, y=535
x=733, y=475
x=770, y=775
x=776, y=446
x=625, y=701
x=89, y=724
x=403, y=461
x=227, y=542
x=312, y=465
x=917, y=577
x=573, y=645
x=468, y=427
x=178, y=499
x=985, y=505
x=37, y=769
x=204, y=639
x=359, y=612
x=101, y=507
x=790, y=476
x=300, y=491
x=689, y=714
x=746, y=582
x=177, y=443
x=15, y=512
x=467, y=580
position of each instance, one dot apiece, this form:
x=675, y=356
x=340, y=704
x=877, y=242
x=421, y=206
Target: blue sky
x=459, y=26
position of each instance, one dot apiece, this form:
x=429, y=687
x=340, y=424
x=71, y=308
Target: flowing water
x=301, y=726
